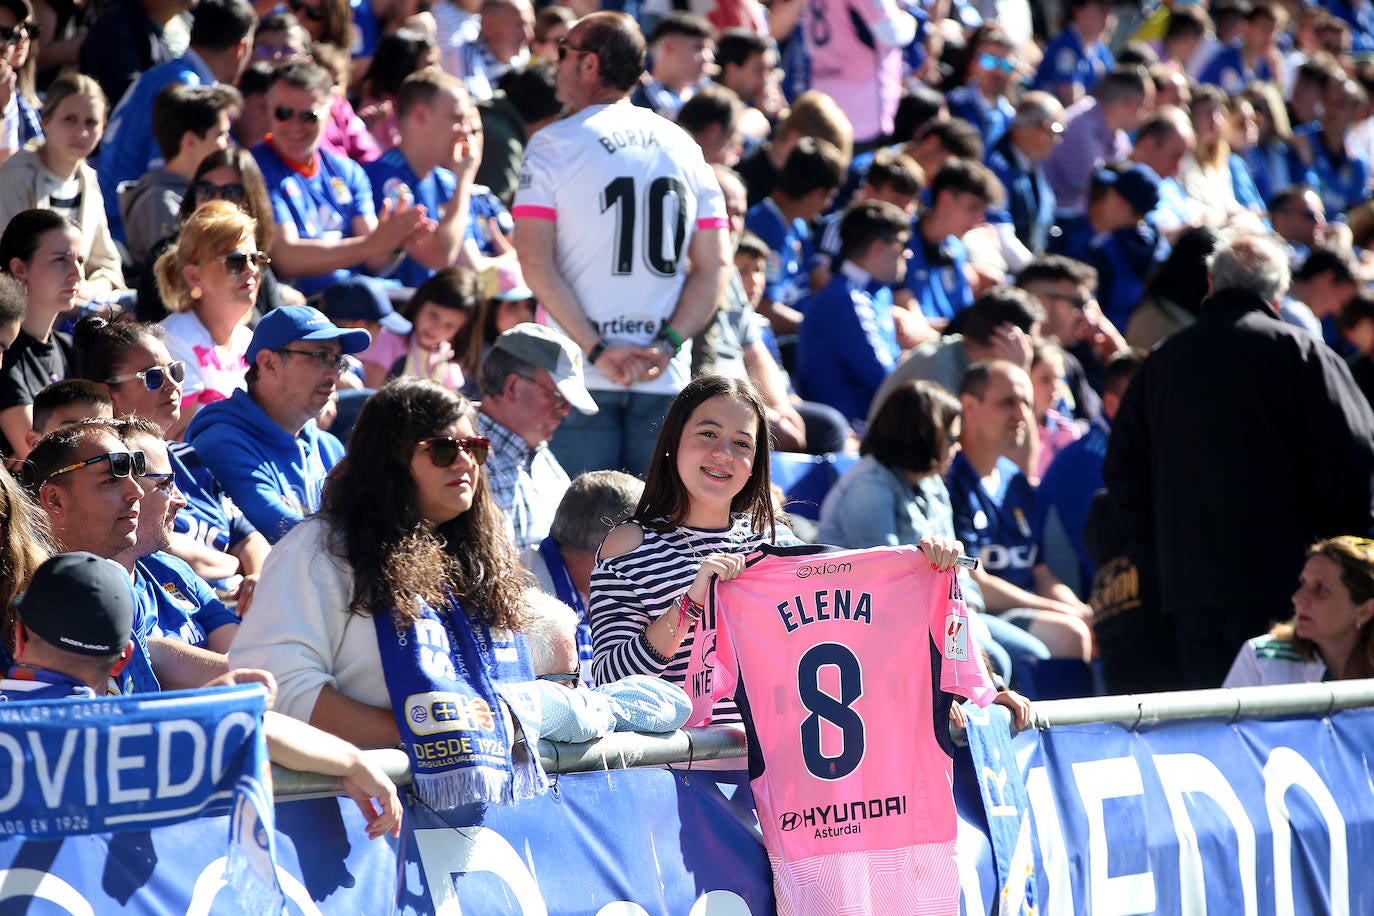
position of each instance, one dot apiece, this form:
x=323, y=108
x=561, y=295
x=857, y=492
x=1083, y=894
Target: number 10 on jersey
x=665, y=231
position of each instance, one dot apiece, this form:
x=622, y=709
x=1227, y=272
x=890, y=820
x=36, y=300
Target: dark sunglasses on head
x=443, y=450
x=237, y=262
x=305, y=115
x=121, y=464
x=313, y=13
x=229, y=193
x=154, y=377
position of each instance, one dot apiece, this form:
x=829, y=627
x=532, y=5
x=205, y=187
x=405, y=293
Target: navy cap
x=363, y=299
x=81, y=603
x=1136, y=182
x=291, y=323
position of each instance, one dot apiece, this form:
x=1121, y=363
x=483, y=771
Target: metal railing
x=622, y=750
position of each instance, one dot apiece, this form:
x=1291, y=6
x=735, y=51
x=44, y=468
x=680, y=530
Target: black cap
x=80, y=602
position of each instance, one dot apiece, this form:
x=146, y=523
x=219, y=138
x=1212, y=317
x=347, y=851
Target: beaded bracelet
x=644, y=638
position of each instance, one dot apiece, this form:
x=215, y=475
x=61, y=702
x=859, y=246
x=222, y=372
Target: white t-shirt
x=212, y=373
x=626, y=189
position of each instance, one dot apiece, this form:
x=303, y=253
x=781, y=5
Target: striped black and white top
x=634, y=589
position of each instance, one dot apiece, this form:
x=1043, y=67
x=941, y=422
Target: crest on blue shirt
x=398, y=192
x=342, y=195
x=176, y=594
x=1066, y=61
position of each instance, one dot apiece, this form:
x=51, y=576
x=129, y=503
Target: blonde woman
x=209, y=281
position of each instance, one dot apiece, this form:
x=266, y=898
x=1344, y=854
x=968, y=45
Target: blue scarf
x=567, y=593
x=440, y=671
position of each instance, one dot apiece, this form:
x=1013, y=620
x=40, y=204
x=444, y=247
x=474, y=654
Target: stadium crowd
x=333, y=313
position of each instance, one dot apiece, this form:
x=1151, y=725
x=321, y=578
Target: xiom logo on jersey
x=841, y=819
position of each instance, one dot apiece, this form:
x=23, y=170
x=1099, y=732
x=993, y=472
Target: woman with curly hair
x=403, y=586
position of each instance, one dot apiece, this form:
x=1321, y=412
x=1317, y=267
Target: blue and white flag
x=70, y=767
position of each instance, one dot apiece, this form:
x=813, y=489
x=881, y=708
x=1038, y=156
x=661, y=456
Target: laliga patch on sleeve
x=956, y=638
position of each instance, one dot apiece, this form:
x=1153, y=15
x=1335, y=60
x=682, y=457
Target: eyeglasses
x=313, y=13
x=443, y=450
x=564, y=48
x=238, y=262
x=305, y=115
x=121, y=464
x=229, y=193
x=554, y=394
x=154, y=377
x=12, y=35
x=325, y=358
x=993, y=62
x=163, y=483
x=572, y=680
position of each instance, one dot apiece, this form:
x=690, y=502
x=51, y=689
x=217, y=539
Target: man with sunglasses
x=327, y=226
x=221, y=47
x=263, y=444
x=984, y=98
x=622, y=233
x=91, y=485
x=530, y=381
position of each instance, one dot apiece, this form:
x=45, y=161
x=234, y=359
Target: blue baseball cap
x=291, y=323
x=363, y=299
x=1134, y=181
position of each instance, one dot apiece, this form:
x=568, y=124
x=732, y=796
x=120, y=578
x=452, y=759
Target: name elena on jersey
x=843, y=818
x=825, y=604
x=618, y=140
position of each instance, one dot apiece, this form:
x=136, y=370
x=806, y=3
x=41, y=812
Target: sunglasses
x=121, y=464
x=229, y=193
x=572, y=680
x=325, y=358
x=305, y=115
x=564, y=48
x=237, y=262
x=443, y=450
x=12, y=35
x=267, y=51
x=154, y=377
x=993, y=62
x=313, y=13
x=163, y=483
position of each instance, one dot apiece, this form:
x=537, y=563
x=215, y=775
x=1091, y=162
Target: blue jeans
x=620, y=436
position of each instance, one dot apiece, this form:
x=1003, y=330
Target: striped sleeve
x=628, y=593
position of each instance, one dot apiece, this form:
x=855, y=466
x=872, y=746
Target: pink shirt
x=833, y=652
x=1056, y=432
x=865, y=80
x=389, y=348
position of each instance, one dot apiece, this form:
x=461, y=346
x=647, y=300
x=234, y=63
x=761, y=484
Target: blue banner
x=1248, y=818
x=83, y=766
x=1254, y=818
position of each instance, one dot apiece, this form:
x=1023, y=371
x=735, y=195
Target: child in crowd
x=54, y=174
x=66, y=402
x=707, y=504
x=1125, y=249
x=1055, y=429
x=440, y=313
